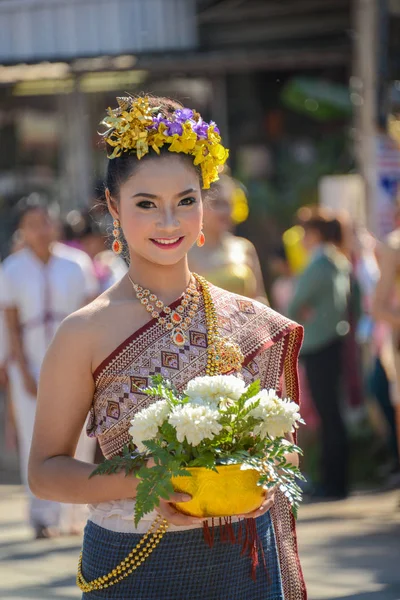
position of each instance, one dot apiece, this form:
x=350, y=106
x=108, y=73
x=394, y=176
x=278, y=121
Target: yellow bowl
x=230, y=491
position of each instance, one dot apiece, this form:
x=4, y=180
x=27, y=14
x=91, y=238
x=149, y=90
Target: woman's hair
x=324, y=222
x=121, y=168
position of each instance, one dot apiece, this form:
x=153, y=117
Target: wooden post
x=364, y=97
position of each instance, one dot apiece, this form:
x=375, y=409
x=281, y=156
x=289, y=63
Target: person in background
x=386, y=308
x=320, y=304
x=3, y=335
x=226, y=260
x=64, y=248
x=88, y=234
x=40, y=289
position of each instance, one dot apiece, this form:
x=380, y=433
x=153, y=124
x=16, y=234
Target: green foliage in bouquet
x=215, y=421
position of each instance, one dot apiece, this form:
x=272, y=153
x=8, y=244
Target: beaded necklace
x=178, y=320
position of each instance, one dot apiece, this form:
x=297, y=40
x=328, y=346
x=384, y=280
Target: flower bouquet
x=220, y=441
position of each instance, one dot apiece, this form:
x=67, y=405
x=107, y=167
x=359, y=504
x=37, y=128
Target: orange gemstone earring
x=117, y=244
x=201, y=240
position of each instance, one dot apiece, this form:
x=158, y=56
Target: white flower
x=209, y=390
x=277, y=417
x=195, y=423
x=144, y=425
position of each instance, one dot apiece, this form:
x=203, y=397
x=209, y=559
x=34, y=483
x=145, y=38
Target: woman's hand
x=169, y=512
x=268, y=503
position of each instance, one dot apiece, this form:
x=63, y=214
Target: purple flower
x=183, y=114
x=216, y=128
x=201, y=129
x=157, y=120
x=173, y=128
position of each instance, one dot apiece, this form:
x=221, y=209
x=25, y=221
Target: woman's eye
x=187, y=201
x=145, y=204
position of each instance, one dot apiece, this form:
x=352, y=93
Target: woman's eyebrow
x=145, y=195
x=154, y=197
x=189, y=191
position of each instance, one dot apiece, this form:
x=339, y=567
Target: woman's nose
x=169, y=220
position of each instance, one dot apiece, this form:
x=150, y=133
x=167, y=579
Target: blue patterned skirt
x=183, y=566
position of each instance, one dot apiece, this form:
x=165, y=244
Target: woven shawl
x=270, y=344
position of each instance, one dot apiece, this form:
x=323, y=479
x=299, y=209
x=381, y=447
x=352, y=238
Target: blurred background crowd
x=307, y=218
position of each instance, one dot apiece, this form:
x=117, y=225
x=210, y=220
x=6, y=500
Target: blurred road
x=349, y=550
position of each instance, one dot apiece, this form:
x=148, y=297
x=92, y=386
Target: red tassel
x=229, y=532
x=239, y=535
x=207, y=534
x=245, y=546
x=254, y=550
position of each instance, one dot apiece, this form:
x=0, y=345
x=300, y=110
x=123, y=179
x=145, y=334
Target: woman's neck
x=167, y=282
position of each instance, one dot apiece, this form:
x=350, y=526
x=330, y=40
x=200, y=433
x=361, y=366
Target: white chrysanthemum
x=209, y=390
x=144, y=426
x=195, y=423
x=277, y=417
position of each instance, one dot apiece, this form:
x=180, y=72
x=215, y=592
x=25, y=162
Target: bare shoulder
x=393, y=243
x=388, y=252
x=86, y=325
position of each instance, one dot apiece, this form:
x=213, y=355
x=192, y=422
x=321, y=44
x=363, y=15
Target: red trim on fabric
x=282, y=373
x=298, y=563
x=127, y=341
x=289, y=328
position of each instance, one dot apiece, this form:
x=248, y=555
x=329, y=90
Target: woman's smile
x=167, y=243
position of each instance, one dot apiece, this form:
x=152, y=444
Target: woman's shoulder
x=89, y=320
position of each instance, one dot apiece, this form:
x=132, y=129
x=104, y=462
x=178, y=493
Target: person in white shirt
x=41, y=288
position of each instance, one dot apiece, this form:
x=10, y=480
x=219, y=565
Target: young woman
x=104, y=351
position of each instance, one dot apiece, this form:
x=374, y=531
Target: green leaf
x=128, y=463
x=253, y=389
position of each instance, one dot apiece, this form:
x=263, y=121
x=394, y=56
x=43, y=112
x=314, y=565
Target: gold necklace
x=223, y=356
x=176, y=320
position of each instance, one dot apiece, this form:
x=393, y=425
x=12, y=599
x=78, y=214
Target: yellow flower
x=132, y=130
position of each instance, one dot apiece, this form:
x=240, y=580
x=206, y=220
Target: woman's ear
x=112, y=205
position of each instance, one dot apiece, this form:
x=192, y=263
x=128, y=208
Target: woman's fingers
x=265, y=507
x=179, y=497
x=169, y=512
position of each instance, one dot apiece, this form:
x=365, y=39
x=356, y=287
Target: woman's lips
x=167, y=243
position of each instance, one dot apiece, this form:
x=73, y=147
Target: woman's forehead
x=163, y=176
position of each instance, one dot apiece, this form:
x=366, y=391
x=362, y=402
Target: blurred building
x=274, y=75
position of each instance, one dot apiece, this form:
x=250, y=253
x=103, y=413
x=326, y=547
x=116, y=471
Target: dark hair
x=26, y=205
x=324, y=222
x=120, y=169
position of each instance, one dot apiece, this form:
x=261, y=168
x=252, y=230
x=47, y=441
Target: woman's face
x=160, y=210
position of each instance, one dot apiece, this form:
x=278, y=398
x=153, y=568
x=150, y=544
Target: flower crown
x=137, y=127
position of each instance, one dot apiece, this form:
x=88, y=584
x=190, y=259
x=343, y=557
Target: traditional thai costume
x=183, y=567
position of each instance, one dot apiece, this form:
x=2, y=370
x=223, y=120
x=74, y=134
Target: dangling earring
x=201, y=240
x=117, y=244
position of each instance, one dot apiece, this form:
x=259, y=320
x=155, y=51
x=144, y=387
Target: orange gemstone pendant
x=117, y=247
x=176, y=317
x=178, y=337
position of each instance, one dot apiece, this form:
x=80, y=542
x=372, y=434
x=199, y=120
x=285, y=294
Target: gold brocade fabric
x=270, y=344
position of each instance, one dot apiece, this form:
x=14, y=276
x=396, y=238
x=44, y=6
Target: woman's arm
x=65, y=395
